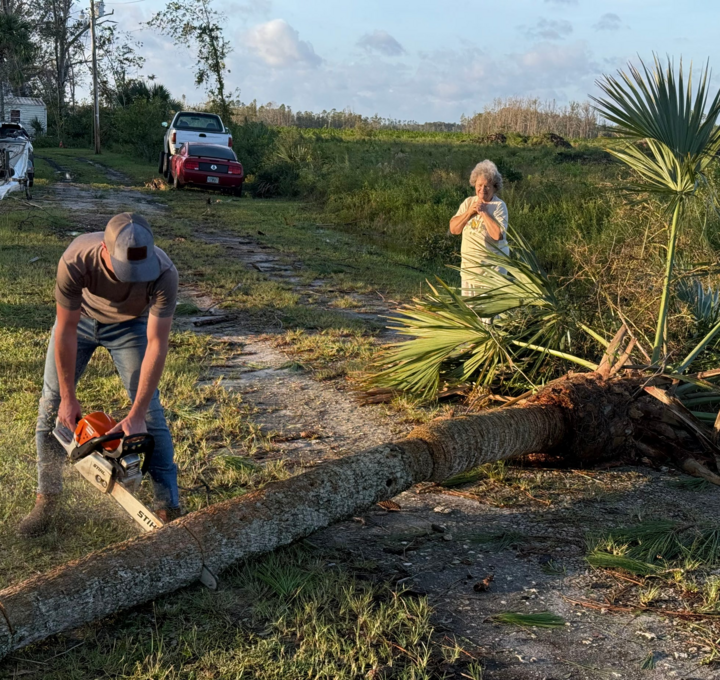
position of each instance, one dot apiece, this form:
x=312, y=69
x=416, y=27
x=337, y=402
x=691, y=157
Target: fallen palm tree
x=172, y=557
x=583, y=417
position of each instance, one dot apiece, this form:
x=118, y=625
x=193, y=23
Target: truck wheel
x=161, y=163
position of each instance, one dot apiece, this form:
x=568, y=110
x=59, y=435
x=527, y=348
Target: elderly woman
x=482, y=220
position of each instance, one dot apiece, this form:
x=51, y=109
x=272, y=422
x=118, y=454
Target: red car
x=207, y=165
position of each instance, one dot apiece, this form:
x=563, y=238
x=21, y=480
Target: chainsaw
x=111, y=463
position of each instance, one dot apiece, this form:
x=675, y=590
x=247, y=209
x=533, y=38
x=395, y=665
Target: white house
x=24, y=110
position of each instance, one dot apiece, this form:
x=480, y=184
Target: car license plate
x=213, y=180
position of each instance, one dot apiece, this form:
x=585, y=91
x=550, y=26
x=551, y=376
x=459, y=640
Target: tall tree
x=60, y=30
x=118, y=62
x=195, y=23
x=17, y=51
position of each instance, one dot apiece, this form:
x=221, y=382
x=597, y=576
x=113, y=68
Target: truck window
x=199, y=122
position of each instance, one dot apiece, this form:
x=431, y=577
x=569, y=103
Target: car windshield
x=204, y=122
x=212, y=151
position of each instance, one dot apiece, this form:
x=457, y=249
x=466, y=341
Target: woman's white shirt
x=475, y=239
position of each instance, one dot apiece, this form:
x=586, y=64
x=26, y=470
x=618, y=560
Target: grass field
x=364, y=213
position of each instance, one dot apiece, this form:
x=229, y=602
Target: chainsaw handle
x=88, y=447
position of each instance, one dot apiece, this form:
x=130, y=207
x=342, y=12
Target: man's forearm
x=65, y=358
x=150, y=374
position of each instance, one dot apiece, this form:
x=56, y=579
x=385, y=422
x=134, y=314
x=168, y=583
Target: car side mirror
x=164, y=124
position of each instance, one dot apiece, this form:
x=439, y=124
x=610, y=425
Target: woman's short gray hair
x=488, y=171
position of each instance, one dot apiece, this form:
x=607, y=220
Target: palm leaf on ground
x=512, y=326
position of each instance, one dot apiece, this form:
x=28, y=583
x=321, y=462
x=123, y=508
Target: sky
x=427, y=60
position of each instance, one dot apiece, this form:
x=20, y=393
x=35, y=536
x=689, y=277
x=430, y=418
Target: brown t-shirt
x=84, y=282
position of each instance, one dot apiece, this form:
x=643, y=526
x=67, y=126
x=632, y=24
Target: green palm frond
x=658, y=105
x=703, y=304
x=677, y=122
x=514, y=325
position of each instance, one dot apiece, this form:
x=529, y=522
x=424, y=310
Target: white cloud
x=278, y=44
x=441, y=85
x=608, y=22
x=382, y=42
x=548, y=29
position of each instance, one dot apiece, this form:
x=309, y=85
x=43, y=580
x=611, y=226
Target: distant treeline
x=283, y=116
x=523, y=116
x=527, y=116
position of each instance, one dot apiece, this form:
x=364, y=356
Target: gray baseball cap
x=129, y=242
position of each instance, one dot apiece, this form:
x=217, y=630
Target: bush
x=139, y=126
x=279, y=179
x=253, y=143
x=549, y=139
x=437, y=249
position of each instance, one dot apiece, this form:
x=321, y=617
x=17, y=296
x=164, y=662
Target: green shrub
x=139, y=126
x=253, y=143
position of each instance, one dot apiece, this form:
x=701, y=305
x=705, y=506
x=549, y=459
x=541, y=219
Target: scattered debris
x=539, y=620
x=211, y=320
x=484, y=585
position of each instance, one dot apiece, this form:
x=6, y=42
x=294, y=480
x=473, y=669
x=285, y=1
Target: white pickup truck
x=190, y=126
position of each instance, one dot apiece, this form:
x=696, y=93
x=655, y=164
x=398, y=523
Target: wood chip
x=484, y=585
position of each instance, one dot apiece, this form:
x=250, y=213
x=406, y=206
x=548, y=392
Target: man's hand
x=133, y=424
x=69, y=413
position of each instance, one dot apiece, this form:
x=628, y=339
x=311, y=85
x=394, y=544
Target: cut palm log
x=582, y=417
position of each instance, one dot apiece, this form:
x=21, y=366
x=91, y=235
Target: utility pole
x=96, y=98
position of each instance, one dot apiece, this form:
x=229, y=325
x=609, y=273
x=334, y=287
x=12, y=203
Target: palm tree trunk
x=157, y=563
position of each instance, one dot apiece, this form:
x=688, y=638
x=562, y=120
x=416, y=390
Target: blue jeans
x=126, y=343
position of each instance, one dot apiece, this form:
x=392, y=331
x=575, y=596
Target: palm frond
x=703, y=304
x=603, y=560
x=657, y=541
x=678, y=124
x=513, y=325
x=656, y=104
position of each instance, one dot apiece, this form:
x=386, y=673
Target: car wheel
x=161, y=163
x=237, y=191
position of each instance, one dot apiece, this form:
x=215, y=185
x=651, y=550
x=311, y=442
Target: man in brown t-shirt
x=115, y=289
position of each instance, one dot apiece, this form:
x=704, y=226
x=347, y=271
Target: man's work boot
x=168, y=514
x=38, y=521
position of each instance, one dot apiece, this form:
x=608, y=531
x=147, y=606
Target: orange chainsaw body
x=96, y=425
